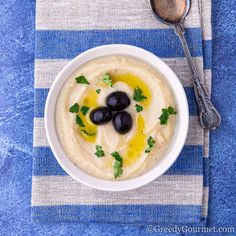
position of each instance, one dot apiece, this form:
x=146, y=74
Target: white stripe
x=181, y=69
x=39, y=139
x=102, y=14
x=195, y=133
x=206, y=143
x=205, y=198
x=205, y=18
x=168, y=189
x=47, y=70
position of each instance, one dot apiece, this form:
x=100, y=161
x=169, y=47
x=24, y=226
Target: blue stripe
x=45, y=163
x=192, y=103
x=41, y=96
x=205, y=172
x=164, y=43
x=207, y=54
x=189, y=162
x=137, y=214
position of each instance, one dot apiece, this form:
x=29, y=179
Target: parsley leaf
x=151, y=143
x=138, y=108
x=99, y=152
x=79, y=121
x=87, y=133
x=166, y=112
x=118, y=170
x=98, y=91
x=84, y=110
x=74, y=108
x=117, y=165
x=81, y=80
x=107, y=80
x=117, y=156
x=138, y=95
x=164, y=116
x=172, y=111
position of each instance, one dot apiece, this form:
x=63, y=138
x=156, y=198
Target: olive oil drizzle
x=90, y=100
x=133, y=82
x=136, y=144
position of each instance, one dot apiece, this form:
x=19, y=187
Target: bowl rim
x=178, y=139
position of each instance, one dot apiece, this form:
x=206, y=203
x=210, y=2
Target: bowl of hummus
x=116, y=117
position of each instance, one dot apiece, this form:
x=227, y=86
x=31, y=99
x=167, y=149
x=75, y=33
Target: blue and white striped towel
x=63, y=30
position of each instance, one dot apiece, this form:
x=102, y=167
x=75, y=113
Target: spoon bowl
x=171, y=12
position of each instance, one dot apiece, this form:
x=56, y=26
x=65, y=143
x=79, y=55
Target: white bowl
x=177, y=142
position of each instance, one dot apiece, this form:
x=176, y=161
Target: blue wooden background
x=16, y=124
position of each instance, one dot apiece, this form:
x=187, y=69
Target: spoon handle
x=208, y=115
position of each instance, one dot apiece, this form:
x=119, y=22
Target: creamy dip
x=127, y=74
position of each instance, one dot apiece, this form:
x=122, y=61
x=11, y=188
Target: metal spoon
x=173, y=13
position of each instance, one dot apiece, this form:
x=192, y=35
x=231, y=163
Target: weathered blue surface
x=16, y=113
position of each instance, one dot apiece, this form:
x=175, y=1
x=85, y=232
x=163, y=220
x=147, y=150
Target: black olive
x=118, y=101
x=100, y=115
x=122, y=122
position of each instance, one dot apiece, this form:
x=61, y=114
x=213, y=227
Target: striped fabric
x=63, y=30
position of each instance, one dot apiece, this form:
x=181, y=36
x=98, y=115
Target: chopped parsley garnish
x=172, y=111
x=117, y=169
x=138, y=108
x=107, y=80
x=98, y=91
x=79, y=121
x=164, y=116
x=84, y=110
x=87, y=133
x=151, y=143
x=117, y=165
x=74, y=108
x=81, y=80
x=138, y=95
x=99, y=152
x=166, y=112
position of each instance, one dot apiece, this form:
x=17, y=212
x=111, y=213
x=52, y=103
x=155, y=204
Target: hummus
x=79, y=143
